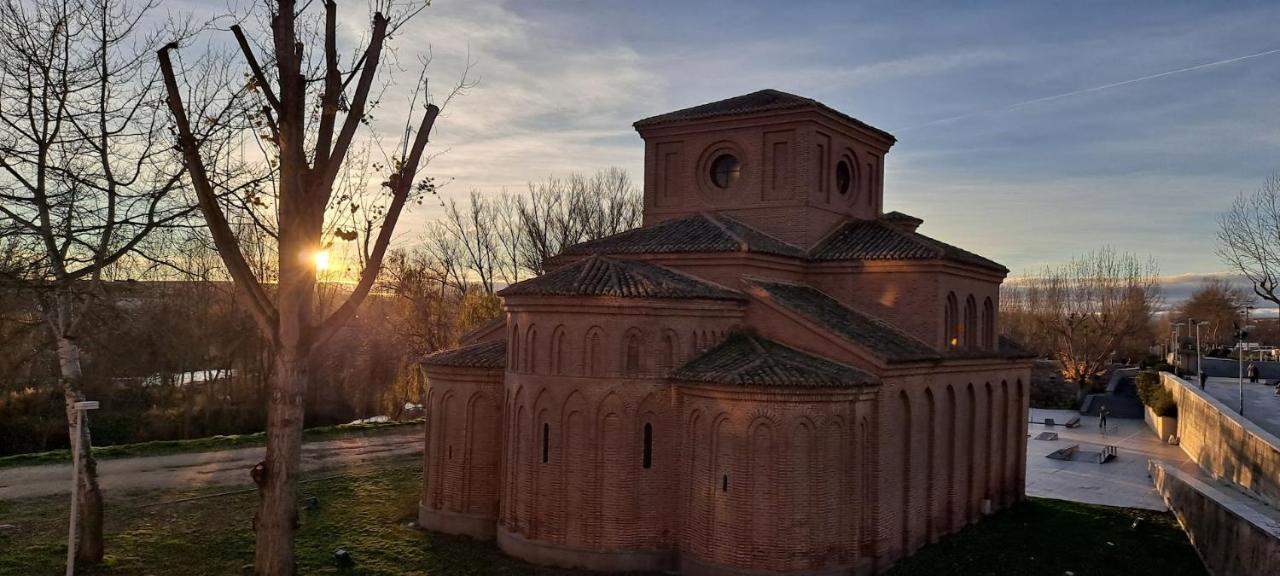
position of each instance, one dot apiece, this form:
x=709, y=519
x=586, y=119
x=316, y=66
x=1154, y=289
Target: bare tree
x=473, y=232
x=561, y=212
x=308, y=155
x=1084, y=312
x=86, y=173
x=1219, y=306
x=1249, y=238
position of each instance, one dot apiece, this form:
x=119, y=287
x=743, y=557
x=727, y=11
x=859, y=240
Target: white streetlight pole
x=80, y=407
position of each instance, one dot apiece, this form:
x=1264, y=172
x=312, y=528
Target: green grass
x=207, y=444
x=368, y=511
x=1054, y=537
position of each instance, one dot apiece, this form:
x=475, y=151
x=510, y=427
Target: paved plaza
x=1261, y=404
x=1120, y=482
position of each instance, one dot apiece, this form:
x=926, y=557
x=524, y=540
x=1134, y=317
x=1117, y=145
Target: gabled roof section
x=873, y=334
x=767, y=100
x=745, y=359
x=697, y=233
x=880, y=240
x=482, y=355
x=604, y=276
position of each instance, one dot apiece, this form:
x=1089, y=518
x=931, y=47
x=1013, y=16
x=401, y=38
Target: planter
x=1163, y=426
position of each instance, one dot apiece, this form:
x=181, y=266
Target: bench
x=1108, y=454
x=1073, y=423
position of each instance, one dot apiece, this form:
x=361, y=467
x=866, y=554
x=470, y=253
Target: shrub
x=1154, y=395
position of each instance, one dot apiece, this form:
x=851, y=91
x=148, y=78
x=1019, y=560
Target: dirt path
x=198, y=469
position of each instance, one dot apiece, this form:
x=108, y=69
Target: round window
x=844, y=177
x=725, y=170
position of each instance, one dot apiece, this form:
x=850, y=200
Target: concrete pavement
x=1261, y=404
x=1121, y=482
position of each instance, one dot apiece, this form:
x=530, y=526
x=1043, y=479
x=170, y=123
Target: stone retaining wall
x=1225, y=445
x=1229, y=532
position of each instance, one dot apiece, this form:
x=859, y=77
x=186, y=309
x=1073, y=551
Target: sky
x=986, y=154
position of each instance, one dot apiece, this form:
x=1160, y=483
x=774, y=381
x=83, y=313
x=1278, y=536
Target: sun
x=320, y=259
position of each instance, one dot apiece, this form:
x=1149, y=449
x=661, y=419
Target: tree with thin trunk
x=1084, y=312
x=308, y=145
x=1249, y=238
x=86, y=175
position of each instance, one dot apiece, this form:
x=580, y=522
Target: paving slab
x=1120, y=482
x=1261, y=404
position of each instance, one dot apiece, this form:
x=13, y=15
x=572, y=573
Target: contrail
x=1093, y=89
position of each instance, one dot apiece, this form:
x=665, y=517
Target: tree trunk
x=277, y=517
x=89, y=535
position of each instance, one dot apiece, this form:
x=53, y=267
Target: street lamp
x=80, y=408
x=1242, y=334
x=1197, y=324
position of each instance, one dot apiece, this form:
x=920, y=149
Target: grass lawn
x=1056, y=537
x=207, y=444
x=368, y=512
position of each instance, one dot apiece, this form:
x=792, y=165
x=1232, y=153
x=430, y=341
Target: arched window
x=988, y=325
x=530, y=348
x=970, y=330
x=593, y=362
x=557, y=351
x=951, y=321
x=667, y=355
x=631, y=363
x=546, y=442
x=648, y=446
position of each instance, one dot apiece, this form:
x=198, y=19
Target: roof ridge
x=880, y=322
x=743, y=246
x=725, y=217
x=828, y=237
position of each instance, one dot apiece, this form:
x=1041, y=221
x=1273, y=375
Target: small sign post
x=80, y=407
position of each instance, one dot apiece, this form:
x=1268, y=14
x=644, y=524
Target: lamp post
x=1241, y=335
x=1197, y=324
x=80, y=408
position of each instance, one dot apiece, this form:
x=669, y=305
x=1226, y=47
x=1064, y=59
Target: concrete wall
x=1225, y=445
x=1231, y=535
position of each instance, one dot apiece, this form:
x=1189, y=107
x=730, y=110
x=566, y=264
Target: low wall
x=1225, y=445
x=1231, y=536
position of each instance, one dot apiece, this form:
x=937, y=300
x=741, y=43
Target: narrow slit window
x=546, y=441
x=648, y=446
x=724, y=483
x=450, y=452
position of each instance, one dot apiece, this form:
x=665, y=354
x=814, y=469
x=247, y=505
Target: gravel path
x=199, y=469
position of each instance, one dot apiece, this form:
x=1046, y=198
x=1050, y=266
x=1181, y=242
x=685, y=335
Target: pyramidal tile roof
x=879, y=240
x=620, y=278
x=744, y=359
x=767, y=100
x=491, y=354
x=697, y=233
x=876, y=335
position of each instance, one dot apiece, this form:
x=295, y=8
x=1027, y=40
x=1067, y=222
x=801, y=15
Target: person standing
x=1252, y=371
x=1102, y=419
x=1203, y=378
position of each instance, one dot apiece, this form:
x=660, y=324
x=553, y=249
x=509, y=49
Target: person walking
x=1252, y=371
x=1203, y=378
x=1102, y=418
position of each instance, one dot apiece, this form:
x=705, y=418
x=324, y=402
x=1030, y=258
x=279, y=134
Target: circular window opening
x=844, y=177
x=725, y=170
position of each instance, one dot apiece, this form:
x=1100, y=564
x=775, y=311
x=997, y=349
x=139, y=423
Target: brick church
x=770, y=376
